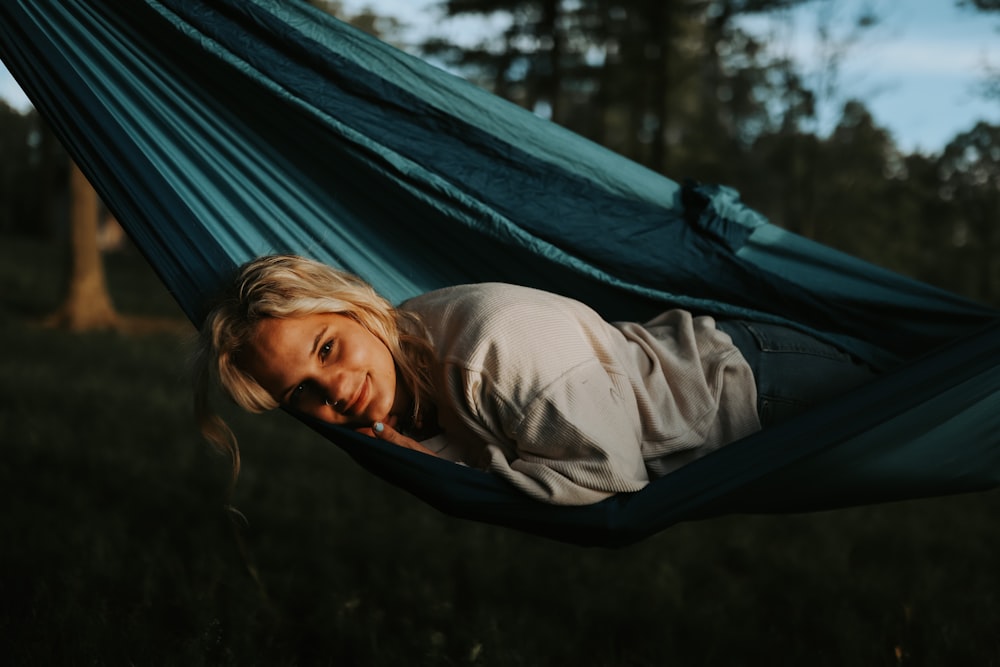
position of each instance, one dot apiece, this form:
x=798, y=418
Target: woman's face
x=326, y=366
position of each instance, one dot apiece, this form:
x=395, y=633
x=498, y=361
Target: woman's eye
x=297, y=392
x=324, y=351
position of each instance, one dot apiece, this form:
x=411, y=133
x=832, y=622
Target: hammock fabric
x=220, y=131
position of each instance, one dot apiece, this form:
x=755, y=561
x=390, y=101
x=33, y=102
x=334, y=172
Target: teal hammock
x=217, y=132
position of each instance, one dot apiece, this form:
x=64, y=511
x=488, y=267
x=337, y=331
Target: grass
x=117, y=549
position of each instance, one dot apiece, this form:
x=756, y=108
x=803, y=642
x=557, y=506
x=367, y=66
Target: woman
x=532, y=386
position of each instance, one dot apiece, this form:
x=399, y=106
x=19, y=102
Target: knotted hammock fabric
x=219, y=131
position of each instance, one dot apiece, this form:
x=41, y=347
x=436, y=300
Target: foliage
x=386, y=28
x=990, y=85
x=118, y=549
x=32, y=175
x=650, y=79
x=983, y=5
x=970, y=176
x=684, y=88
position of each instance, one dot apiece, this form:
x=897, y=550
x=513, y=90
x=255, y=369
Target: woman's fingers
x=384, y=431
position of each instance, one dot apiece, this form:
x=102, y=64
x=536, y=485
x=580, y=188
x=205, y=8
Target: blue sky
x=916, y=71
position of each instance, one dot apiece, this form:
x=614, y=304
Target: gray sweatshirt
x=540, y=390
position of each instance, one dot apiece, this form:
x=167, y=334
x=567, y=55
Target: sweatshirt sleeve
x=574, y=443
x=528, y=385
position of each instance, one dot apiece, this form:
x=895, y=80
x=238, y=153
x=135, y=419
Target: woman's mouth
x=359, y=400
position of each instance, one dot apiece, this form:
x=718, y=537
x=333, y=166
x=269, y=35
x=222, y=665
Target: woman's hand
x=385, y=431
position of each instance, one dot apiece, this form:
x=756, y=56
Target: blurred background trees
x=685, y=88
x=44, y=194
x=119, y=544
x=33, y=172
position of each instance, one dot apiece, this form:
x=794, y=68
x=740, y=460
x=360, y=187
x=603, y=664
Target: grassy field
x=116, y=548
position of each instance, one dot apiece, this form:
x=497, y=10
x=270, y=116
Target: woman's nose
x=331, y=387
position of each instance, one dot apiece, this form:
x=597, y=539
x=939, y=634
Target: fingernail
x=378, y=427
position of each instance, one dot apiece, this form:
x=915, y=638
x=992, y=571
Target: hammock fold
x=217, y=132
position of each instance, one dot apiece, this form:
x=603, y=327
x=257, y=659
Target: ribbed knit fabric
x=540, y=390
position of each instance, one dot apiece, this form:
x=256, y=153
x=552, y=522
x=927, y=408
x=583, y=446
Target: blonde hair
x=285, y=286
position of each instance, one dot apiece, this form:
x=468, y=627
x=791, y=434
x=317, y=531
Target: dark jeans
x=794, y=371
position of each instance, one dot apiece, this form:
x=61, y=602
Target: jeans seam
x=762, y=344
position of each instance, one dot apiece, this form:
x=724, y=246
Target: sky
x=916, y=71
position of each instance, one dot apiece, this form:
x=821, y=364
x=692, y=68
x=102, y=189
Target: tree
x=34, y=181
x=742, y=91
x=676, y=85
x=982, y=5
x=528, y=60
x=990, y=87
x=32, y=174
x=969, y=170
x=686, y=88
x=922, y=238
x=383, y=27
x=88, y=303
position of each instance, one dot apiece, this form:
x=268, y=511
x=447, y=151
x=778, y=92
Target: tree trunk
x=659, y=94
x=88, y=304
x=552, y=82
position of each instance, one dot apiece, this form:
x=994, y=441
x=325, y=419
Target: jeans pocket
x=775, y=338
x=776, y=409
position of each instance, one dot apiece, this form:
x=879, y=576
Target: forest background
x=123, y=554
x=687, y=89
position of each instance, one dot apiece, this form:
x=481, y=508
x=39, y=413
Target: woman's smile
x=358, y=402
